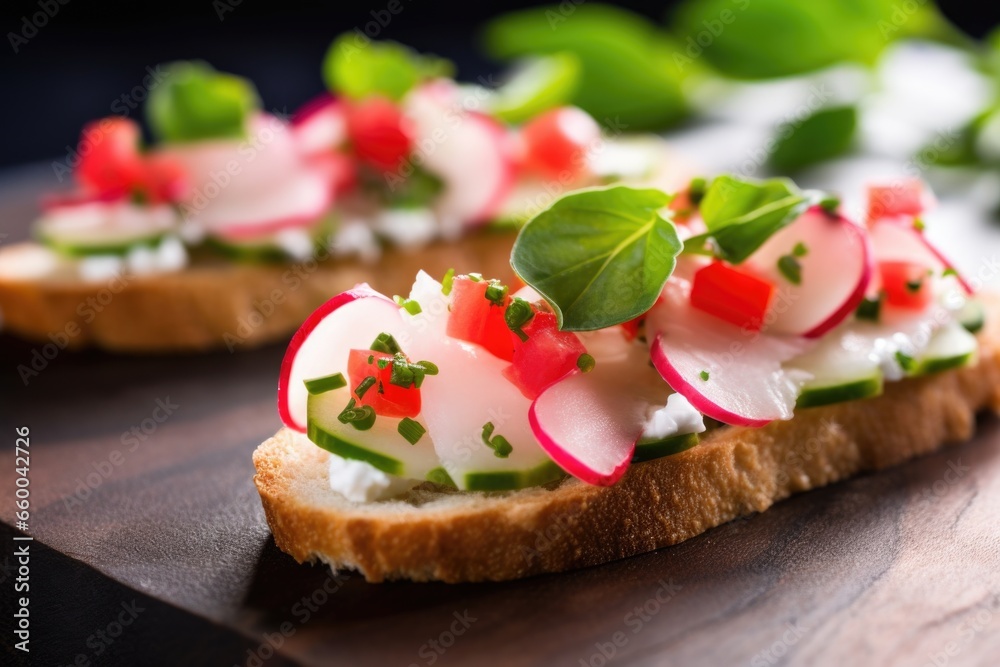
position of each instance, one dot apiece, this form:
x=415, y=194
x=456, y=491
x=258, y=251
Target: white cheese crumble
x=361, y=482
x=296, y=242
x=355, y=237
x=98, y=268
x=407, y=227
x=677, y=417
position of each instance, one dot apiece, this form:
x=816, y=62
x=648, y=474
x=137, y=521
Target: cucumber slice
x=382, y=446
x=841, y=372
x=972, y=316
x=104, y=228
x=655, y=449
x=950, y=347
x=267, y=248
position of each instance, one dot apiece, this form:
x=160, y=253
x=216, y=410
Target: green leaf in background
x=741, y=215
x=195, y=102
x=359, y=69
x=600, y=257
x=759, y=39
x=825, y=134
x=626, y=73
x=537, y=85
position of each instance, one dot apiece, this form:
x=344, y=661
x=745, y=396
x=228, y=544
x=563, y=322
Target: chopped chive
x=905, y=361
x=501, y=448
x=409, y=305
x=406, y=375
x=383, y=363
x=326, y=383
x=918, y=224
x=365, y=385
x=830, y=204
x=384, y=342
x=800, y=249
x=517, y=315
x=448, y=282
x=914, y=285
x=411, y=430
x=440, y=476
x=950, y=271
x=496, y=293
x=585, y=362
x=361, y=418
x=790, y=268
x=870, y=308
x=704, y=375
x=371, y=358
x=475, y=277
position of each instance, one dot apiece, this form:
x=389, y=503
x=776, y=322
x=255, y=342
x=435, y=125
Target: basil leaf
x=629, y=79
x=196, y=102
x=537, y=85
x=823, y=135
x=742, y=215
x=358, y=68
x=600, y=257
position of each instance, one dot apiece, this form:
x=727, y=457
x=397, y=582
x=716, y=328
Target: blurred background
x=61, y=70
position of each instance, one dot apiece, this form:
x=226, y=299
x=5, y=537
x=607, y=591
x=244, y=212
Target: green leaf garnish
x=358, y=69
x=704, y=376
x=195, y=102
x=600, y=257
x=384, y=342
x=825, y=134
x=411, y=430
x=362, y=418
x=585, y=362
x=501, y=448
x=790, y=268
x=517, y=316
x=326, y=383
x=535, y=85
x=741, y=215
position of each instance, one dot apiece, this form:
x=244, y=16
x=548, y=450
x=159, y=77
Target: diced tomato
x=379, y=132
x=906, y=284
x=163, y=180
x=732, y=295
x=109, y=156
x=905, y=198
x=556, y=142
x=476, y=319
x=682, y=206
x=546, y=357
x=386, y=399
x=340, y=169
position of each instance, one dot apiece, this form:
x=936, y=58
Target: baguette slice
x=214, y=304
x=432, y=534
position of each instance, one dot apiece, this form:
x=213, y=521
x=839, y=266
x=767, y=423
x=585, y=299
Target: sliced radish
x=894, y=241
x=98, y=226
x=52, y=202
x=835, y=263
x=320, y=125
x=589, y=423
x=350, y=320
x=726, y=373
x=298, y=201
x=469, y=151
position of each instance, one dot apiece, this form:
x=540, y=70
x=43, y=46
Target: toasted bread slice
x=431, y=533
x=214, y=304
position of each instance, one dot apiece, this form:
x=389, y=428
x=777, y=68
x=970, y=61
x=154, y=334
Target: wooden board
x=900, y=568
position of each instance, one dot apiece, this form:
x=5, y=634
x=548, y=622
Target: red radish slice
x=320, y=125
x=835, y=272
x=906, y=198
x=51, y=202
x=469, y=151
x=745, y=385
x=897, y=242
x=321, y=346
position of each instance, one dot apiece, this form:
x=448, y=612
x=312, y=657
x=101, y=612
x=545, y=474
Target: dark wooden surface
x=899, y=568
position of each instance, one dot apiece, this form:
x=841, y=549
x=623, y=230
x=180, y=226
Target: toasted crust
x=218, y=304
x=453, y=537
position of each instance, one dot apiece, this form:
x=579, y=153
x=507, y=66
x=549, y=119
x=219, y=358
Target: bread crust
x=452, y=537
x=217, y=304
